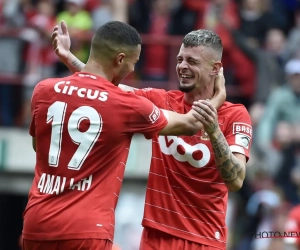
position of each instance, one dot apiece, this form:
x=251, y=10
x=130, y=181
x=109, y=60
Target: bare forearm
x=73, y=63
x=180, y=124
x=229, y=167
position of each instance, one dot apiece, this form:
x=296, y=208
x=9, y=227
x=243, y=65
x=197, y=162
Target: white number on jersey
x=85, y=140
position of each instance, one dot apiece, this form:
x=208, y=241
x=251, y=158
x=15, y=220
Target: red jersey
x=186, y=197
x=83, y=127
x=292, y=226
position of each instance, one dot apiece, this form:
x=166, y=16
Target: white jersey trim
x=237, y=149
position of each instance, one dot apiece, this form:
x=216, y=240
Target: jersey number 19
x=86, y=140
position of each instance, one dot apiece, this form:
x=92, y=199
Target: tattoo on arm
x=218, y=150
x=230, y=169
x=227, y=164
x=77, y=64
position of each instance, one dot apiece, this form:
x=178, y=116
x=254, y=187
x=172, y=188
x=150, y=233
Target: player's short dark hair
x=115, y=35
x=204, y=38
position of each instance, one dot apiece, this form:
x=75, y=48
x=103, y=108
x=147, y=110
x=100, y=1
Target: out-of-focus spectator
x=256, y=20
x=79, y=23
x=288, y=175
x=269, y=61
x=265, y=202
x=109, y=10
x=102, y=14
x=155, y=21
x=275, y=133
x=120, y=10
x=293, y=41
x=40, y=55
x=12, y=14
x=261, y=211
x=283, y=105
x=283, y=11
x=238, y=69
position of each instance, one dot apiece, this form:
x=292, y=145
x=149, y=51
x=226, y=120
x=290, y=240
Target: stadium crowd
x=261, y=60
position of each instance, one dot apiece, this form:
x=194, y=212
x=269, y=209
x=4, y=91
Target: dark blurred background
x=261, y=59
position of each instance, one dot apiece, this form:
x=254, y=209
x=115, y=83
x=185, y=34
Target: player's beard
x=186, y=89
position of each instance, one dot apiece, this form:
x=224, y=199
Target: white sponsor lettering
x=64, y=87
x=196, y=155
x=54, y=184
x=242, y=128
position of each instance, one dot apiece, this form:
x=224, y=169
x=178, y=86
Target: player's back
x=80, y=124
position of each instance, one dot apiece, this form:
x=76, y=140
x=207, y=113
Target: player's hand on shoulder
x=219, y=90
x=61, y=41
x=207, y=115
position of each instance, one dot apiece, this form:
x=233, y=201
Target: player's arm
x=142, y=116
x=231, y=166
x=61, y=43
x=34, y=144
x=180, y=124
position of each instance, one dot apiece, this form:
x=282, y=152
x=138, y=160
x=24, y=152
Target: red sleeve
x=157, y=96
x=292, y=224
x=33, y=110
x=238, y=131
x=145, y=117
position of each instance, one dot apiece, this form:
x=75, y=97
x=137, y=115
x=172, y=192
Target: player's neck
x=202, y=93
x=97, y=69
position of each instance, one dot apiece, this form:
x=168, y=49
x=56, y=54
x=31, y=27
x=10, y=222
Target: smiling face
x=195, y=66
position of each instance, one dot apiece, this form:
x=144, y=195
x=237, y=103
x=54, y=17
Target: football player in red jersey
x=81, y=128
x=189, y=179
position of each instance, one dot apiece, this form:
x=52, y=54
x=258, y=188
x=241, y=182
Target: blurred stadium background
x=261, y=60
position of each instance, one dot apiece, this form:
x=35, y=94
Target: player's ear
x=120, y=58
x=215, y=68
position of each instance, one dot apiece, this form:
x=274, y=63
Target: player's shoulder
x=175, y=93
x=171, y=93
x=43, y=85
x=129, y=99
x=230, y=108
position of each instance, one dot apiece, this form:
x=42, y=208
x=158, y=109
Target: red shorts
x=153, y=239
x=87, y=244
